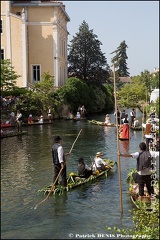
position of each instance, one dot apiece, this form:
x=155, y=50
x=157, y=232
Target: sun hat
x=99, y=154
x=57, y=138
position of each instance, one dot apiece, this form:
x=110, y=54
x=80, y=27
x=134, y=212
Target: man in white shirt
x=99, y=164
x=144, y=169
x=19, y=121
x=132, y=115
x=59, y=161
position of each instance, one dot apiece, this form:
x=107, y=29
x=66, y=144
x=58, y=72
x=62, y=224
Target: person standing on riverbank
x=59, y=161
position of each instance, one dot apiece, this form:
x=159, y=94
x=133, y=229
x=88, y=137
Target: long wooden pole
x=118, y=148
x=58, y=174
x=142, y=121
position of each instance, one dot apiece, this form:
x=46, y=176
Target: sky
x=135, y=22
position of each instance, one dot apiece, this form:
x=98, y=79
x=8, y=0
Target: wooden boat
x=12, y=134
x=74, y=119
x=36, y=123
x=74, y=181
x=136, y=128
x=123, y=139
x=79, y=119
x=8, y=125
x=102, y=123
x=68, y=119
x=133, y=191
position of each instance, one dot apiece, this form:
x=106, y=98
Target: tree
x=119, y=60
x=40, y=98
x=132, y=95
x=8, y=75
x=78, y=92
x=145, y=77
x=86, y=61
x=155, y=81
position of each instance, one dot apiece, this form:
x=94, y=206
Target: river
x=83, y=213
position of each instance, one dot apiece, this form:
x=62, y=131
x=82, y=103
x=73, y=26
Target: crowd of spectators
x=9, y=101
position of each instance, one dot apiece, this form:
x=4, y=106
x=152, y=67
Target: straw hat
x=98, y=154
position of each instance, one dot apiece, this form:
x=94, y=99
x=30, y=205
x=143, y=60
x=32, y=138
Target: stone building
x=34, y=37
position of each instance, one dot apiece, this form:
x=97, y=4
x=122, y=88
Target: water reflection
x=124, y=145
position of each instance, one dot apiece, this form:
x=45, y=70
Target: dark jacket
x=83, y=172
x=55, y=153
x=144, y=160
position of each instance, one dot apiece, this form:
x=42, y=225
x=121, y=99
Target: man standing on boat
x=144, y=170
x=19, y=121
x=59, y=161
x=132, y=115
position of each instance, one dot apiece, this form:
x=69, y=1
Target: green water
x=83, y=213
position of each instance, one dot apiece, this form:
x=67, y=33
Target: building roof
x=125, y=79
x=43, y=3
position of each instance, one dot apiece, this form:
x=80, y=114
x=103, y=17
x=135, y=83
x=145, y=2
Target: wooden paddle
x=58, y=174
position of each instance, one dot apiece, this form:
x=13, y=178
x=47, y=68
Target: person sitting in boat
x=30, y=119
x=136, y=123
x=70, y=115
x=12, y=119
x=41, y=119
x=107, y=119
x=83, y=170
x=99, y=164
x=78, y=116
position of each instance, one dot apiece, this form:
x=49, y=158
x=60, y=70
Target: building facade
x=34, y=37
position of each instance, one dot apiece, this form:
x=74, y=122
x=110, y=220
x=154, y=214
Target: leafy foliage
x=132, y=95
x=8, y=75
x=77, y=92
x=146, y=225
x=16, y=91
x=119, y=60
x=154, y=80
x=137, y=93
x=86, y=61
x=37, y=101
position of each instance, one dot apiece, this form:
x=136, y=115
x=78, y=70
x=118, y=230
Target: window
x=1, y=27
x=2, y=54
x=18, y=13
x=36, y=73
